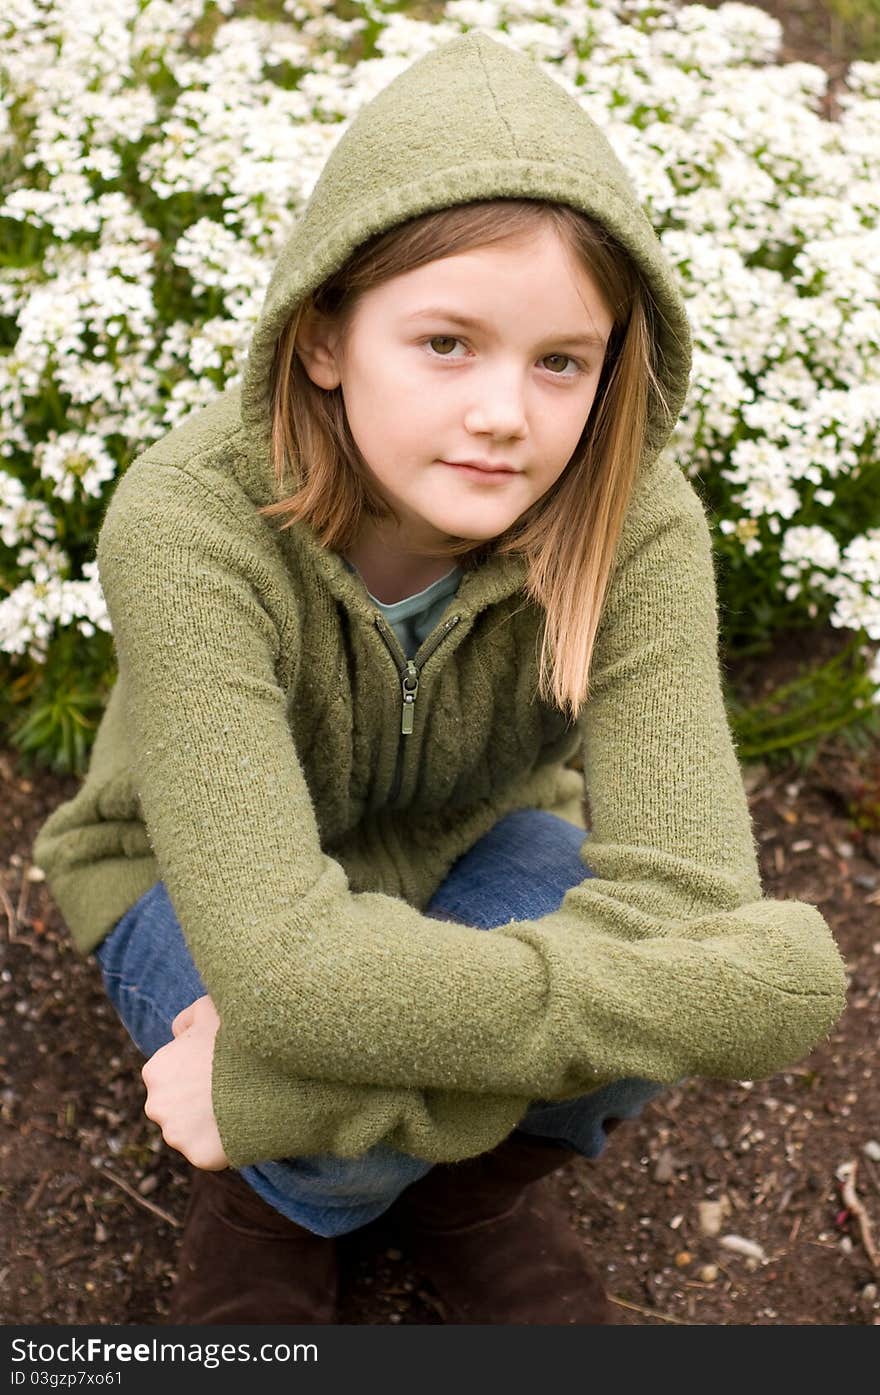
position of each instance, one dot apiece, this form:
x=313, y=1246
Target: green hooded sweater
x=252, y=756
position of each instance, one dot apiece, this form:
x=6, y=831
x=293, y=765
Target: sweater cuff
x=262, y=1114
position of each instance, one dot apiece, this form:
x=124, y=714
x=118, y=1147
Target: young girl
x=366, y=610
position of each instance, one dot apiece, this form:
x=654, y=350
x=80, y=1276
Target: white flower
x=856, y=608
x=71, y=459
x=767, y=211
x=803, y=549
x=861, y=557
x=21, y=519
x=216, y=258
x=30, y=615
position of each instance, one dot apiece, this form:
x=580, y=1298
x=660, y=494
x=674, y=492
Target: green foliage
x=51, y=714
x=60, y=728
x=857, y=28
x=789, y=725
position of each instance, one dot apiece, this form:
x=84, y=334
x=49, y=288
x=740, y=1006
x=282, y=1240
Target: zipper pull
x=410, y=689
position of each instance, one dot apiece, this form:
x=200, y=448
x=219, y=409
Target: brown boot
x=240, y=1260
x=495, y=1243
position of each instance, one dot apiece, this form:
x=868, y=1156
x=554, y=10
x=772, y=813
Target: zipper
x=410, y=674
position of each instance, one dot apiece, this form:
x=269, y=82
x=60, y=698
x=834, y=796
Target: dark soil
x=91, y=1199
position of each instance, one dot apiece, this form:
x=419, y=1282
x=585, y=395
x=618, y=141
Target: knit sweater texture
x=252, y=756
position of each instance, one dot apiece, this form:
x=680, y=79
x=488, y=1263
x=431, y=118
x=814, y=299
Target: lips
x=483, y=470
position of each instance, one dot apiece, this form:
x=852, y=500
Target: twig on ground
x=141, y=1200
x=10, y=913
x=23, y=896
x=70, y=1256
x=66, y=1192
x=606, y=1201
x=648, y=1312
x=872, y=1171
x=37, y=1191
x=847, y=1176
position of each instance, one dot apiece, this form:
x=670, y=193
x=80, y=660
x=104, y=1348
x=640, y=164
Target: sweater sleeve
x=667, y=963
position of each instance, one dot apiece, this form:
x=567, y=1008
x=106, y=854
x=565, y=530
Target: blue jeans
x=519, y=870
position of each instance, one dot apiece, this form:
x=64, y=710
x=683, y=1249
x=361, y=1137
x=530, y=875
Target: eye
x=450, y=340
x=442, y=339
x=578, y=368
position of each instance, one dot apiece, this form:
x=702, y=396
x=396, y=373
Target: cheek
x=575, y=419
x=368, y=411
x=379, y=396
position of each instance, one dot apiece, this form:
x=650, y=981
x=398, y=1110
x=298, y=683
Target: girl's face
x=494, y=356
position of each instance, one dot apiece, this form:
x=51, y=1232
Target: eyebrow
x=441, y=312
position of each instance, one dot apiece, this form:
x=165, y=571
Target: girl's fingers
x=183, y=1020
x=187, y=1016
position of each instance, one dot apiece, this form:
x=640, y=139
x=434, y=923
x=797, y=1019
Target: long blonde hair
x=569, y=536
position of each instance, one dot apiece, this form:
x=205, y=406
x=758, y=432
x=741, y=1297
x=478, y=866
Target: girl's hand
x=178, y=1081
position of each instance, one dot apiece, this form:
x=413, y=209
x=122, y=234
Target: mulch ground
x=91, y=1199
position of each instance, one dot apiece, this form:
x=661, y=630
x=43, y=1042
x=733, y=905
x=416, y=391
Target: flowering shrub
x=153, y=153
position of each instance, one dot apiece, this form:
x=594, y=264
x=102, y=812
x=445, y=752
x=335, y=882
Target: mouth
x=482, y=472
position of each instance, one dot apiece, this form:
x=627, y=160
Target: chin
x=465, y=528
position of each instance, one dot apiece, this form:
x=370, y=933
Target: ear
x=318, y=347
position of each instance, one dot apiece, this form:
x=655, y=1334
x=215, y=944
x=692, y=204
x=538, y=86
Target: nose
x=498, y=408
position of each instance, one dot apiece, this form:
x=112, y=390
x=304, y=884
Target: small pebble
x=869, y=1293
x=100, y=1233
x=711, y=1214
x=739, y=1245
x=683, y=1259
x=664, y=1170
x=148, y=1185
x=709, y=1273
x=872, y=1150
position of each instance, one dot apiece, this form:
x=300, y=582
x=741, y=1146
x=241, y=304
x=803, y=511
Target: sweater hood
x=473, y=119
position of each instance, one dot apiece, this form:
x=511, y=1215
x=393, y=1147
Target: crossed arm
x=178, y=1081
